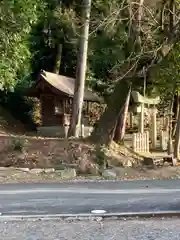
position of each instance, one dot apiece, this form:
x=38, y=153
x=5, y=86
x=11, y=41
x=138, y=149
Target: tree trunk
x=58, y=59
x=121, y=123
x=176, y=115
x=170, y=146
x=103, y=133
x=81, y=73
x=177, y=138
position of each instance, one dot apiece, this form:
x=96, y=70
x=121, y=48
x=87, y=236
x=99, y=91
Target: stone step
x=159, y=161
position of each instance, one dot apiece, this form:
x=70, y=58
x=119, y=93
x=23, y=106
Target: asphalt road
x=109, y=230
x=78, y=198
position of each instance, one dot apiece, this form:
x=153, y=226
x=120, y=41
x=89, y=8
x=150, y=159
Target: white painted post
x=141, y=123
x=147, y=141
x=131, y=120
x=154, y=128
x=82, y=130
x=134, y=142
x=164, y=140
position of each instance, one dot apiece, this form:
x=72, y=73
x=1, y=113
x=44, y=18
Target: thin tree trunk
x=172, y=15
x=177, y=138
x=170, y=146
x=81, y=72
x=121, y=123
x=58, y=59
x=176, y=116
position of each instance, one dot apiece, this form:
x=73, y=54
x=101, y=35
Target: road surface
x=82, y=198
x=168, y=229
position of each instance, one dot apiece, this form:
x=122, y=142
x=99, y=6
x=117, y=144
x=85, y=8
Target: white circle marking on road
x=98, y=211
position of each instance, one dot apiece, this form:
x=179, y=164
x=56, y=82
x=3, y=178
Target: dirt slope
x=10, y=125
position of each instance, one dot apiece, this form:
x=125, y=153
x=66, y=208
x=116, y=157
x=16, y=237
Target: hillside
x=10, y=125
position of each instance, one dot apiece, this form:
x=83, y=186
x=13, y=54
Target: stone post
x=154, y=128
x=141, y=123
x=131, y=119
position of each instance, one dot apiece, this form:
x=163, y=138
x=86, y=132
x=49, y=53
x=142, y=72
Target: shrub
x=24, y=109
x=18, y=144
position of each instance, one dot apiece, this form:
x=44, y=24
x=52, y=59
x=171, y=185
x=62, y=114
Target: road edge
x=95, y=217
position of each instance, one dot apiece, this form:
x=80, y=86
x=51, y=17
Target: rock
x=67, y=173
x=99, y=219
x=166, y=164
x=37, y=170
x=174, y=161
x=171, y=160
x=109, y=173
x=94, y=170
x=148, y=161
x=49, y=170
x=23, y=169
x=127, y=163
x=11, y=168
x=152, y=161
x=3, y=168
x=85, y=166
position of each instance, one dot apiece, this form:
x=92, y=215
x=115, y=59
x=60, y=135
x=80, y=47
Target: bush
x=24, y=109
x=18, y=144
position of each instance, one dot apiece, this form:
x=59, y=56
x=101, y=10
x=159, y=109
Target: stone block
x=49, y=170
x=171, y=160
x=23, y=169
x=148, y=161
x=127, y=163
x=152, y=161
x=3, y=168
x=37, y=170
x=67, y=173
x=109, y=173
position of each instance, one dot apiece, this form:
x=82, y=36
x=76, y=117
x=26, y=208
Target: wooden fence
x=140, y=142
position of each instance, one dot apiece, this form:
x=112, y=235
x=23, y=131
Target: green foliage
x=18, y=144
x=57, y=26
x=20, y=107
x=167, y=76
x=31, y=31
x=61, y=25
x=95, y=111
x=106, y=45
x=17, y=19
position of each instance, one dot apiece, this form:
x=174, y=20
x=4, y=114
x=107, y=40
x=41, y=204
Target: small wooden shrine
x=56, y=94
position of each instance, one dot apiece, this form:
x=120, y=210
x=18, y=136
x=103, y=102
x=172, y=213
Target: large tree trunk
x=104, y=131
x=81, y=73
x=177, y=138
x=121, y=123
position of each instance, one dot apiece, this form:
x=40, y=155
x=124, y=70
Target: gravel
x=153, y=229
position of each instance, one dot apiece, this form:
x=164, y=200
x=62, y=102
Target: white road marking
x=90, y=191
x=98, y=211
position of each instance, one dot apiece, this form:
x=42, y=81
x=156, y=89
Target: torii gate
x=141, y=101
